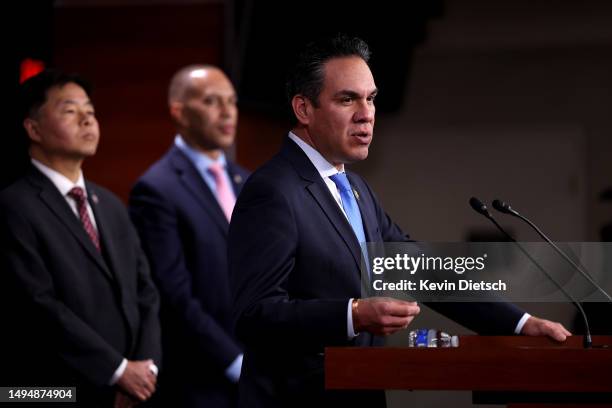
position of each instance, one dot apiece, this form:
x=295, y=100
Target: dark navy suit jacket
x=71, y=313
x=294, y=263
x=184, y=233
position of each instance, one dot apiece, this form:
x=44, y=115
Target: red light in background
x=29, y=68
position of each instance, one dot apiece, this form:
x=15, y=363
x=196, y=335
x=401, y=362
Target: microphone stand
x=481, y=208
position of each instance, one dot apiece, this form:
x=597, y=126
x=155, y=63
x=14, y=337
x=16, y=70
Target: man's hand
x=383, y=316
x=540, y=327
x=138, y=380
x=122, y=400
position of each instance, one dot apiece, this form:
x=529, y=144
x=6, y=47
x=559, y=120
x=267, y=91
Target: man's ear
x=176, y=111
x=32, y=128
x=301, y=108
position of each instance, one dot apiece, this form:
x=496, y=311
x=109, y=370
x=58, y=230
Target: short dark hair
x=307, y=75
x=33, y=92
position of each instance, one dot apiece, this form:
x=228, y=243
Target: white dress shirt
x=64, y=185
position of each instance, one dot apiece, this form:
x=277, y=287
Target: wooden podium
x=480, y=363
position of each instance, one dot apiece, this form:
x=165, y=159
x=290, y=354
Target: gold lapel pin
x=237, y=178
x=94, y=198
x=356, y=194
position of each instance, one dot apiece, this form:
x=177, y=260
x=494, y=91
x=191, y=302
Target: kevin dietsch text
x=405, y=263
x=425, y=285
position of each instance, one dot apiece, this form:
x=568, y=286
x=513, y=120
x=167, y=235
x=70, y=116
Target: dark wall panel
x=130, y=53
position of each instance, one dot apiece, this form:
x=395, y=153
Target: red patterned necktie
x=78, y=195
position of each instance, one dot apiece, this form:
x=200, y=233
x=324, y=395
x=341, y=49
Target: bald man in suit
x=181, y=207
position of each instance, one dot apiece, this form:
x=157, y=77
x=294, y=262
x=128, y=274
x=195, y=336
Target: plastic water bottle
x=431, y=338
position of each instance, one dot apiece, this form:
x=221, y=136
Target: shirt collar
x=199, y=159
x=61, y=182
x=325, y=168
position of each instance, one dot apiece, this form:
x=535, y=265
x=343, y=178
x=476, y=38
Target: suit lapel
x=329, y=206
x=103, y=222
x=319, y=191
x=192, y=181
x=58, y=206
x=236, y=178
x=368, y=216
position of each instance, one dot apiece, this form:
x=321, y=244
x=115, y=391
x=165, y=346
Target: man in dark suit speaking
x=79, y=307
x=294, y=243
x=181, y=207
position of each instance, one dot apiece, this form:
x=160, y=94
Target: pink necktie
x=78, y=195
x=225, y=195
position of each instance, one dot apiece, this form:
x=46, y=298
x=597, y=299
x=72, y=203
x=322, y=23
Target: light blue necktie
x=349, y=203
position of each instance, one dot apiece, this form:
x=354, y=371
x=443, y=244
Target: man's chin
x=224, y=141
x=86, y=153
x=359, y=155
x=353, y=160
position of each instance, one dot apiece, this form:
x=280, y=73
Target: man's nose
x=365, y=113
x=86, y=118
x=227, y=108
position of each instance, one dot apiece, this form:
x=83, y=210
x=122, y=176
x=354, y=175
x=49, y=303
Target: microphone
x=506, y=209
x=481, y=208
